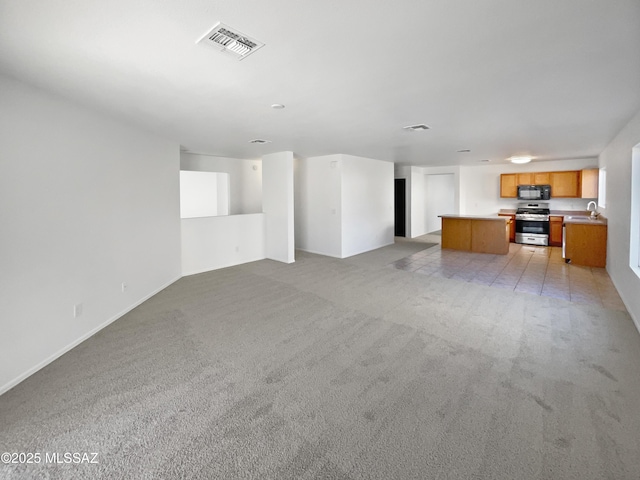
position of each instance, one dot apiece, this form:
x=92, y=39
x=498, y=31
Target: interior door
x=400, y=207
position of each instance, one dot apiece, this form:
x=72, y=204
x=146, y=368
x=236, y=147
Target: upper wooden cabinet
x=509, y=185
x=541, y=178
x=525, y=179
x=565, y=184
x=588, y=183
x=569, y=184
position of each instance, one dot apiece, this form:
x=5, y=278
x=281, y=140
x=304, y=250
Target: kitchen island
x=473, y=233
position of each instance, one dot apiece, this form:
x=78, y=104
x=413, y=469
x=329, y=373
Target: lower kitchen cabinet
x=586, y=244
x=555, y=230
x=512, y=226
x=475, y=234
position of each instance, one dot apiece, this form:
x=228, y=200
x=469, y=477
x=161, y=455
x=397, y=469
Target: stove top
x=533, y=208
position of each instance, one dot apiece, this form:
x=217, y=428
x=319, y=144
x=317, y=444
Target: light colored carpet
x=326, y=369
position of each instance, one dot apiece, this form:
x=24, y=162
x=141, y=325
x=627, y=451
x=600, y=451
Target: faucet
x=595, y=207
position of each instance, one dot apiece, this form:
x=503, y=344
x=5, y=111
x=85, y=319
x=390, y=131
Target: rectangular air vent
x=420, y=126
x=230, y=40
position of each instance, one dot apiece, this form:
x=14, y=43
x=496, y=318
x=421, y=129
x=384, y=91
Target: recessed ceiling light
x=259, y=141
x=417, y=127
x=277, y=106
x=520, y=159
x=464, y=150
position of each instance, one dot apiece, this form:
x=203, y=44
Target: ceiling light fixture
x=464, y=150
x=520, y=159
x=417, y=127
x=277, y=106
x=259, y=141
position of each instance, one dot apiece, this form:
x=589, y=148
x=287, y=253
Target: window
x=634, y=251
x=602, y=188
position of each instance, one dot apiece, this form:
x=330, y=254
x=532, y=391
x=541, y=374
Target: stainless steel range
x=532, y=223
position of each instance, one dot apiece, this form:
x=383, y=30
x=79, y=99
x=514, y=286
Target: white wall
x=617, y=160
x=277, y=205
x=245, y=179
x=344, y=204
x=426, y=199
x=480, y=185
x=367, y=204
x=203, y=194
x=86, y=203
x=318, y=205
x=442, y=194
x=440, y=198
x=418, y=203
x=210, y=243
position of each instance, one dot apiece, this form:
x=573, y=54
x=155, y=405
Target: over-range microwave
x=534, y=192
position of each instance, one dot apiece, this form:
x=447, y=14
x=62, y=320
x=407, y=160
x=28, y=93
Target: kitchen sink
x=580, y=217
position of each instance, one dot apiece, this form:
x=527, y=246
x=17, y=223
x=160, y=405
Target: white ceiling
x=553, y=78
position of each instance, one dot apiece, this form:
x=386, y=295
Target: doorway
x=400, y=210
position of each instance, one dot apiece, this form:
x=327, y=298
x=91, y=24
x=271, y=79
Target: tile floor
x=526, y=268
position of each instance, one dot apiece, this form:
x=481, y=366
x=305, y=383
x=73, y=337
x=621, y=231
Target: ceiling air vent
x=230, y=40
x=418, y=127
x=259, y=141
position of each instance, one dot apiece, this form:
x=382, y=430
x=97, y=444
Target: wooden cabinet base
x=586, y=244
x=512, y=225
x=476, y=235
x=555, y=231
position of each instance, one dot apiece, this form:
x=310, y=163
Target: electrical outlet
x=124, y=287
x=77, y=310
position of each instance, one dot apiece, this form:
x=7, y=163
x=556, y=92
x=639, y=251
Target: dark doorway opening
x=400, y=207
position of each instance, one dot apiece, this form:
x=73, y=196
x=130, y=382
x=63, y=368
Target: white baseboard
x=369, y=249
x=12, y=383
x=350, y=255
x=318, y=253
x=635, y=321
x=232, y=264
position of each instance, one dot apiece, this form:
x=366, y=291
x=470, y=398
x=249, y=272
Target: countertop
x=586, y=221
x=566, y=213
x=475, y=217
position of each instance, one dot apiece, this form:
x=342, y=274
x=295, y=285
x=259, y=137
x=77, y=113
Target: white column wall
x=86, y=203
x=418, y=206
x=367, y=204
x=277, y=204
